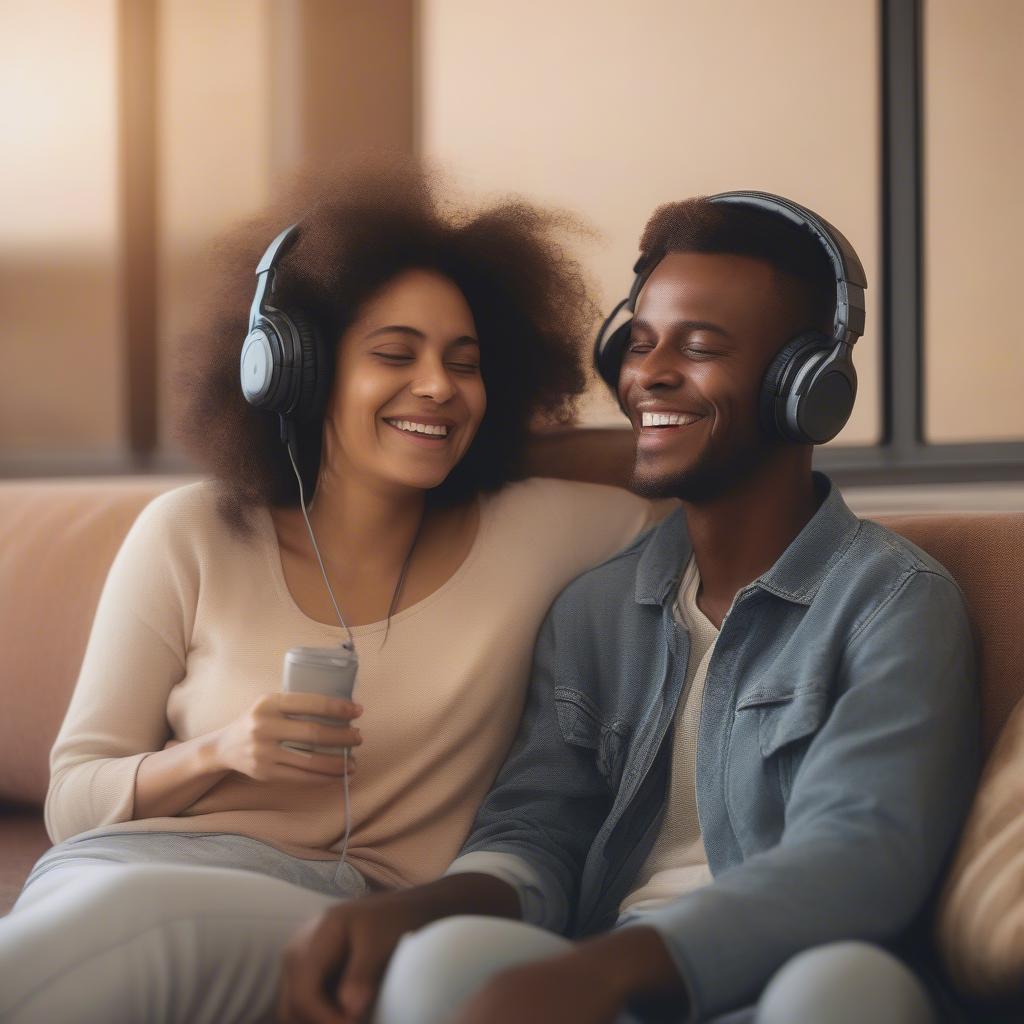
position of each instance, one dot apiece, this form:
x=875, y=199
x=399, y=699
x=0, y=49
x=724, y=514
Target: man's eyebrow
x=687, y=327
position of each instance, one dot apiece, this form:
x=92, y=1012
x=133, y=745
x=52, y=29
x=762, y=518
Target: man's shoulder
x=609, y=588
x=876, y=547
x=885, y=577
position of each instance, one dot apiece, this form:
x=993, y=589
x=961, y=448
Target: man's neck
x=740, y=535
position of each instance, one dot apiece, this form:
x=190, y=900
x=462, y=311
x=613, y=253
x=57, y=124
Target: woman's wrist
x=210, y=753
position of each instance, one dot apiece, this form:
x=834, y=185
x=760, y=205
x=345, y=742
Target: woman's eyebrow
x=396, y=329
x=414, y=332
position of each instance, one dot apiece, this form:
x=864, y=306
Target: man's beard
x=711, y=476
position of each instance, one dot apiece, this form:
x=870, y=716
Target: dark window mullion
x=902, y=349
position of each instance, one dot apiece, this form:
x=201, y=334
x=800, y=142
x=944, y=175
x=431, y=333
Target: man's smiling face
x=706, y=327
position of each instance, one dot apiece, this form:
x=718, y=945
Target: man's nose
x=660, y=366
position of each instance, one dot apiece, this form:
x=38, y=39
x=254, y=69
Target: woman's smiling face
x=408, y=395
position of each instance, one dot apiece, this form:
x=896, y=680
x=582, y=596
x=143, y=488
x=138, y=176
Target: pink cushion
x=59, y=540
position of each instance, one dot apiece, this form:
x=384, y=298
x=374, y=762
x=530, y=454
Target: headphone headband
x=283, y=366
x=848, y=321
x=809, y=388
x=848, y=324
x=265, y=270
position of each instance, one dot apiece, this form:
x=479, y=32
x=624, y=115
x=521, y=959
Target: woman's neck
x=352, y=521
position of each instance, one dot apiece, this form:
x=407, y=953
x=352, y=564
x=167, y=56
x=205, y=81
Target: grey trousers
x=189, y=929
x=145, y=928
x=436, y=969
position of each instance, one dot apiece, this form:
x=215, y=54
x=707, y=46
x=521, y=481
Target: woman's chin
x=417, y=481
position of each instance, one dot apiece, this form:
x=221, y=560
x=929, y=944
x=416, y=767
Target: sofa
x=58, y=537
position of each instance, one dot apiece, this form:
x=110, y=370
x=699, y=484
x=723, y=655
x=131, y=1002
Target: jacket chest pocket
x=786, y=723
x=786, y=718
x=582, y=725
x=770, y=735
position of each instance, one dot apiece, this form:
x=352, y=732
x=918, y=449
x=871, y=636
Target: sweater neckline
x=273, y=553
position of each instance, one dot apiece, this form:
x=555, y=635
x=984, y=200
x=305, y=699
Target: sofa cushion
x=985, y=554
x=23, y=840
x=60, y=537
x=981, y=912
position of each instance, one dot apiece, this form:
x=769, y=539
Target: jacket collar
x=795, y=576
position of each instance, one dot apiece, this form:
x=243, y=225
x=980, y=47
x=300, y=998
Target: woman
x=190, y=841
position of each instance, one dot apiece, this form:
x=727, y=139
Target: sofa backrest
x=985, y=554
x=59, y=538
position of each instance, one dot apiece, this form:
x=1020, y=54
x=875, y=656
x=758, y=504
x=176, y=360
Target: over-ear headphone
x=808, y=390
x=284, y=363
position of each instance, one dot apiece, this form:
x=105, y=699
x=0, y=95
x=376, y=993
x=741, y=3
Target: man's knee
x=843, y=983
x=436, y=969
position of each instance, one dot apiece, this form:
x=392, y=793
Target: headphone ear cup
x=609, y=357
x=826, y=400
x=777, y=399
x=314, y=378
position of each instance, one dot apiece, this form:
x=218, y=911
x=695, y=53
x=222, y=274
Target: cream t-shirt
x=192, y=627
x=677, y=863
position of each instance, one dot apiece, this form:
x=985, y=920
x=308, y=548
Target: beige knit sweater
x=192, y=627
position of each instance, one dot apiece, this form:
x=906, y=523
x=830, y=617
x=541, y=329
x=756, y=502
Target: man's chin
x=703, y=481
x=650, y=485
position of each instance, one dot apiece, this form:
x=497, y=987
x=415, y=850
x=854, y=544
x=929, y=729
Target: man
x=750, y=735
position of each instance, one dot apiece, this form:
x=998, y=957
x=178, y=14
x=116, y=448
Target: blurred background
x=134, y=131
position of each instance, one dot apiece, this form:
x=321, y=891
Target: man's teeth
x=667, y=419
x=430, y=429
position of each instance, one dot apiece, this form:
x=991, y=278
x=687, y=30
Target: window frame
x=904, y=455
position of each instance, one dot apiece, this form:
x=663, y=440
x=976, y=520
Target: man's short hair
x=701, y=226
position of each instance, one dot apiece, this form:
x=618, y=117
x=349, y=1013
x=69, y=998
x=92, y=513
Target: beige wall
x=61, y=386
x=251, y=90
x=612, y=108
x=214, y=146
x=974, y=219
x=607, y=108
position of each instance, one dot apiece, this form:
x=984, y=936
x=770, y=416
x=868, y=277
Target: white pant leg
x=436, y=969
x=845, y=983
x=158, y=943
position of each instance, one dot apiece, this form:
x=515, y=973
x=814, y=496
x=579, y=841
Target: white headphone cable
x=351, y=645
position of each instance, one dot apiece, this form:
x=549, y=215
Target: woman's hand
x=251, y=744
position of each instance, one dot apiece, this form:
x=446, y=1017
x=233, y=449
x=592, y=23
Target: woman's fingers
x=334, y=765
x=314, y=734
x=313, y=704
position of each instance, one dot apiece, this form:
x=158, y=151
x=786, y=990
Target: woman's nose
x=432, y=381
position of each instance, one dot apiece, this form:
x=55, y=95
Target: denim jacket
x=837, y=751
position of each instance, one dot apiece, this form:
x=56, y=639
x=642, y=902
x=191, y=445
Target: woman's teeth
x=429, y=429
x=667, y=419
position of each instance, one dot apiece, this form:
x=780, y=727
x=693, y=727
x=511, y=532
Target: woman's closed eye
x=463, y=365
x=394, y=355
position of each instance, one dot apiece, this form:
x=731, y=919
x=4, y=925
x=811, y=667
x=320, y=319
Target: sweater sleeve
x=596, y=520
x=135, y=655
